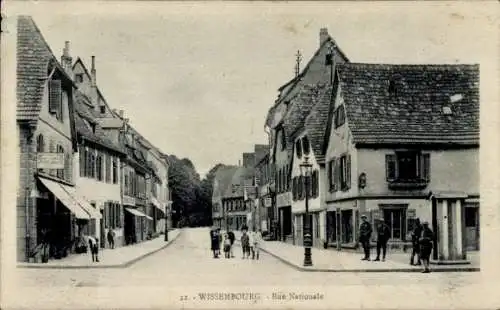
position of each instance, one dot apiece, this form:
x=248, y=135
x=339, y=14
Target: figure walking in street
x=383, y=235
x=365, y=233
x=214, y=242
x=425, y=241
x=251, y=242
x=219, y=234
x=257, y=238
x=111, y=238
x=227, y=246
x=415, y=235
x=245, y=244
x=231, y=239
x=94, y=248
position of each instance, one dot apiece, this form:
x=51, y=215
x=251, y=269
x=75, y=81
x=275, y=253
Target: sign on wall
x=50, y=161
x=284, y=199
x=267, y=202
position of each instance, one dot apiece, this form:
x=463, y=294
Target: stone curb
x=381, y=270
x=114, y=266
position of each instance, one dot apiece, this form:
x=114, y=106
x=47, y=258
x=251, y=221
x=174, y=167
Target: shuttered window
x=81, y=154
x=426, y=169
x=390, y=165
x=55, y=97
x=106, y=215
x=315, y=184
x=60, y=172
x=407, y=166
x=294, y=188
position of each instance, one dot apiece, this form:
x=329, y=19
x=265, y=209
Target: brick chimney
x=120, y=112
x=67, y=60
x=92, y=72
x=323, y=35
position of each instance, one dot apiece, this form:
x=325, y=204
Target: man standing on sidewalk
x=365, y=233
x=383, y=235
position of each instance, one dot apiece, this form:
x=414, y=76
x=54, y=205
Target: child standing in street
x=245, y=244
x=227, y=246
x=257, y=238
x=94, y=248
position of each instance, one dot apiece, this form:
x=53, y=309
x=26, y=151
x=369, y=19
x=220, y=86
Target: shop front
x=285, y=218
x=62, y=220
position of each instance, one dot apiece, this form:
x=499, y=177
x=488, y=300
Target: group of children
x=249, y=243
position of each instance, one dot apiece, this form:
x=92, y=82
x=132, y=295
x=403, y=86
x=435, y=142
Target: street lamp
x=167, y=208
x=305, y=171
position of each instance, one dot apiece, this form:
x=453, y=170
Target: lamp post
x=305, y=170
x=166, y=221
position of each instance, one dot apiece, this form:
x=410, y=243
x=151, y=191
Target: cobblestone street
x=188, y=262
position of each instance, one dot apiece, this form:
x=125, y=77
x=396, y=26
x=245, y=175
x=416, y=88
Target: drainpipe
x=27, y=210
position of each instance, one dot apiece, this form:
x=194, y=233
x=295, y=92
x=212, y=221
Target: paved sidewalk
x=331, y=260
x=117, y=258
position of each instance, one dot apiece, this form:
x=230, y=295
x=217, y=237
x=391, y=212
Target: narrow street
x=187, y=264
x=188, y=260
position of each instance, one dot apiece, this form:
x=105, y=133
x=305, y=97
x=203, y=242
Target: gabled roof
x=289, y=86
x=414, y=114
x=240, y=175
x=85, y=115
x=223, y=177
x=301, y=106
x=34, y=57
x=317, y=121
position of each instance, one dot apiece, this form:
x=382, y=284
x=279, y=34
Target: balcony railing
x=416, y=183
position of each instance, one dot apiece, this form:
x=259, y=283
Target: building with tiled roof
x=398, y=135
x=296, y=99
x=48, y=140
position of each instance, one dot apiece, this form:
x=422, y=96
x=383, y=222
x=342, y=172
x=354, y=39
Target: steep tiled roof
x=85, y=115
x=33, y=58
x=240, y=175
x=286, y=89
x=316, y=123
x=301, y=106
x=223, y=176
x=414, y=113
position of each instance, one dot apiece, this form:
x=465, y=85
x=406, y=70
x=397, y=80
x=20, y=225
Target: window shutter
x=338, y=173
x=426, y=167
x=55, y=96
x=329, y=174
x=106, y=215
x=81, y=153
x=117, y=215
x=390, y=167
x=348, y=172
x=315, y=184
x=294, y=188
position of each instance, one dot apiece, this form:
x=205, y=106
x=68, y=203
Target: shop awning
x=157, y=204
x=65, y=198
x=138, y=213
x=84, y=203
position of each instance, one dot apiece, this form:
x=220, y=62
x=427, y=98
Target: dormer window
x=305, y=146
x=56, y=98
x=103, y=109
x=339, y=116
x=79, y=78
x=298, y=147
x=447, y=110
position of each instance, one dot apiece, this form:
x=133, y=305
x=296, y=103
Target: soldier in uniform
x=365, y=233
x=383, y=234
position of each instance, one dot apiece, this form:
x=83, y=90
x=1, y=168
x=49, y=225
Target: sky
x=197, y=79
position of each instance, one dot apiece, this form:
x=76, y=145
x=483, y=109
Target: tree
x=191, y=197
